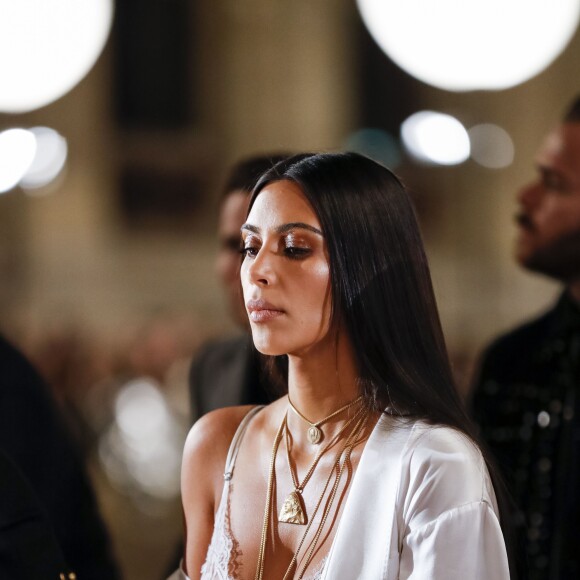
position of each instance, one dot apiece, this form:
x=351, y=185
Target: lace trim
x=223, y=560
x=317, y=573
x=224, y=557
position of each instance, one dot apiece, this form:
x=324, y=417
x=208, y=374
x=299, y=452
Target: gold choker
x=314, y=431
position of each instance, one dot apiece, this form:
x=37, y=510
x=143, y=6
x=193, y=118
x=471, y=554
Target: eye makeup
x=251, y=244
x=295, y=240
x=296, y=246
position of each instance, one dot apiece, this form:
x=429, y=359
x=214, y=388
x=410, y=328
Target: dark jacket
x=226, y=373
x=527, y=405
x=28, y=548
x=33, y=435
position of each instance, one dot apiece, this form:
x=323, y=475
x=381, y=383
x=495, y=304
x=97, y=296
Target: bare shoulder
x=207, y=444
x=217, y=426
x=202, y=481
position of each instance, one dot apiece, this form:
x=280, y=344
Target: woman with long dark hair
x=368, y=468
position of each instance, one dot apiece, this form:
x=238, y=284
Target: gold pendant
x=292, y=511
x=314, y=434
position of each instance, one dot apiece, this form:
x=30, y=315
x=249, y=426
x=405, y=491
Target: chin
x=269, y=350
x=273, y=344
x=266, y=345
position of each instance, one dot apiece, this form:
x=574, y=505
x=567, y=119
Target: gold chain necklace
x=293, y=509
x=262, y=552
x=346, y=450
x=314, y=431
x=352, y=441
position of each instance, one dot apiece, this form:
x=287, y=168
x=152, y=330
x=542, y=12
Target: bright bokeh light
x=17, y=150
x=491, y=146
x=435, y=138
x=142, y=448
x=140, y=410
x=49, y=160
x=47, y=47
x=376, y=144
x=463, y=45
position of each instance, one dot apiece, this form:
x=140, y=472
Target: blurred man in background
x=230, y=372
x=527, y=396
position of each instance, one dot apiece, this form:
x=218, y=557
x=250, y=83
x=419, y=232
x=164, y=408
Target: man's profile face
x=232, y=216
x=549, y=215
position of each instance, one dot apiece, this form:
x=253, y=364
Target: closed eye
x=296, y=252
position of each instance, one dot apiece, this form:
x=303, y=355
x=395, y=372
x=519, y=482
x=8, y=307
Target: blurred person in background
x=28, y=547
x=229, y=371
x=526, y=398
x=34, y=437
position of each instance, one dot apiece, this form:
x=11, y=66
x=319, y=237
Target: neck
x=321, y=382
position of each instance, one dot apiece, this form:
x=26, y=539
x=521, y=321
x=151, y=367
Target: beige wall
x=270, y=76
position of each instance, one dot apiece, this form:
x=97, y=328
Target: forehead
x=282, y=202
x=561, y=150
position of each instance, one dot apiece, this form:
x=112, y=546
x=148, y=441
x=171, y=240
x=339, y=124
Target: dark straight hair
x=381, y=287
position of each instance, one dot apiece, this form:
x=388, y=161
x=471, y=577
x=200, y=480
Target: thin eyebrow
x=285, y=228
x=297, y=225
x=250, y=228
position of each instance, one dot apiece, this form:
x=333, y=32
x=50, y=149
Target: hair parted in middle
x=382, y=292
x=381, y=285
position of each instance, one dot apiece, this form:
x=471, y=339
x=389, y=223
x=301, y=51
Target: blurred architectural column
x=282, y=75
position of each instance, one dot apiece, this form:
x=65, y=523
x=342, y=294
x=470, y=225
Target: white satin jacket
x=421, y=507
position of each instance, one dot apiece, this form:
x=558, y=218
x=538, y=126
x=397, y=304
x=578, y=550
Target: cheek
x=315, y=292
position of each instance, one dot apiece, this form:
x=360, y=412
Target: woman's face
x=285, y=272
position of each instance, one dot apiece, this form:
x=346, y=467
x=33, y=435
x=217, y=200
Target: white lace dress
x=224, y=558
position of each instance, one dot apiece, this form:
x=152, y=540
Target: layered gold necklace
x=293, y=510
x=314, y=432
x=359, y=420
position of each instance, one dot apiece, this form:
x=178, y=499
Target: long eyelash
x=296, y=252
x=245, y=251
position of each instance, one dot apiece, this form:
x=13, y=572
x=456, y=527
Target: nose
x=530, y=195
x=259, y=270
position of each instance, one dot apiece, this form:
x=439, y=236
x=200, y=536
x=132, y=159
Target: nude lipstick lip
x=262, y=311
